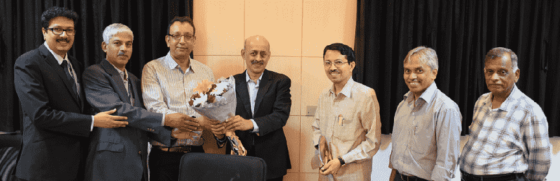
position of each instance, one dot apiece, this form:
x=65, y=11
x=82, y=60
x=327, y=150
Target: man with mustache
x=427, y=130
x=263, y=108
x=509, y=132
x=347, y=116
x=108, y=85
x=56, y=119
x=167, y=83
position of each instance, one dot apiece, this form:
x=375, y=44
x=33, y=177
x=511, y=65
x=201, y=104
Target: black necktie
x=69, y=75
x=130, y=93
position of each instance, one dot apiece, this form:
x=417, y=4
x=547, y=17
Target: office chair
x=204, y=166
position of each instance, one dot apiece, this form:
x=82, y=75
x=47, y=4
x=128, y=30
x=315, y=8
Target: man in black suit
x=55, y=120
x=121, y=153
x=263, y=108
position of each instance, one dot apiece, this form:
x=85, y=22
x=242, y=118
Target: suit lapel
x=241, y=86
x=263, y=88
x=137, y=102
x=60, y=71
x=121, y=90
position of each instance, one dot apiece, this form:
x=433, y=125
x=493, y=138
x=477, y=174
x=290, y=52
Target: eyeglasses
x=337, y=63
x=58, y=31
x=188, y=37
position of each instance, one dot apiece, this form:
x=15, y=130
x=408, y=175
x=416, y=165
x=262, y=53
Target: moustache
x=335, y=70
x=63, y=39
x=257, y=62
x=121, y=53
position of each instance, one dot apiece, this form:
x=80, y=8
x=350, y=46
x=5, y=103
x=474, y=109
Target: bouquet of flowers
x=217, y=101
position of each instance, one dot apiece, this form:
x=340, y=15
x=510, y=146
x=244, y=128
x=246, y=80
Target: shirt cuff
x=163, y=120
x=92, y=120
x=255, y=126
x=221, y=142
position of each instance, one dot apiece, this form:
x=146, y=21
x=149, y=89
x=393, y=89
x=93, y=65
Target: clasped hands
x=185, y=125
x=231, y=124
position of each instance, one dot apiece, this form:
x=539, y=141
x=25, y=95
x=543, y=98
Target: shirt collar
x=347, y=89
x=171, y=64
x=248, y=78
x=515, y=93
x=427, y=95
x=56, y=56
x=124, y=74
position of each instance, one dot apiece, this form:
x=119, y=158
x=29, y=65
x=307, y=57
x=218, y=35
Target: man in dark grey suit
x=56, y=123
x=263, y=108
x=121, y=153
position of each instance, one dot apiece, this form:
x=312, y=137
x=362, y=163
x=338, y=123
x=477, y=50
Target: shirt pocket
x=506, y=143
x=108, y=146
x=422, y=139
x=347, y=131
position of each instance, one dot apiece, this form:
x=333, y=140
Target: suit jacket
x=120, y=153
x=55, y=130
x=272, y=109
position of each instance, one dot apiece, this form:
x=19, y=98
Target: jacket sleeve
x=281, y=109
x=102, y=95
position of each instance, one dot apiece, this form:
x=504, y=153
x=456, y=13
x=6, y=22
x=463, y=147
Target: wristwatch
x=341, y=161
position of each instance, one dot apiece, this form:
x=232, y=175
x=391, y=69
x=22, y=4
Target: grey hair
x=499, y=52
x=114, y=29
x=426, y=56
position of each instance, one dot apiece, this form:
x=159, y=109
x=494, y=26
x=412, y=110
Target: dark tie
x=69, y=75
x=130, y=93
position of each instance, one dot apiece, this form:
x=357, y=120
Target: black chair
x=204, y=166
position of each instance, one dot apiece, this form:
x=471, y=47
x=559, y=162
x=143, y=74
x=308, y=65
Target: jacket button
x=139, y=152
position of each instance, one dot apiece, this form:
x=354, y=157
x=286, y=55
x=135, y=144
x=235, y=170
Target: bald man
x=263, y=108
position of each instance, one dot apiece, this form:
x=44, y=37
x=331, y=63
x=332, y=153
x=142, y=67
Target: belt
x=501, y=177
x=409, y=177
x=184, y=149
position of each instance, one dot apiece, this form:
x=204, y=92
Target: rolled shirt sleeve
x=448, y=136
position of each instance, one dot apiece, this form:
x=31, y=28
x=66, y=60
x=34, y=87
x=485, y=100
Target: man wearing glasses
x=167, y=83
x=55, y=123
x=348, y=117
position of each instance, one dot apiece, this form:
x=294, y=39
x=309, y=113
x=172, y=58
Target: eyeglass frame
x=185, y=36
x=336, y=63
x=63, y=30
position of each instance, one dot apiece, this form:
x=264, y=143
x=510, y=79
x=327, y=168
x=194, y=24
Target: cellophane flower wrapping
x=218, y=102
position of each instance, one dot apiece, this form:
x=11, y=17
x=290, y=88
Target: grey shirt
x=426, y=135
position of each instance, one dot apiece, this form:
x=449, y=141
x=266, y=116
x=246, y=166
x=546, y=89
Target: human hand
x=182, y=134
x=106, y=120
x=219, y=129
x=182, y=121
x=331, y=167
x=238, y=123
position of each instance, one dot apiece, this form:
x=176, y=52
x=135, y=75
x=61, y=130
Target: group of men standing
x=62, y=140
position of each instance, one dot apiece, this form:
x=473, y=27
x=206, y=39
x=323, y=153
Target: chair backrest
x=204, y=166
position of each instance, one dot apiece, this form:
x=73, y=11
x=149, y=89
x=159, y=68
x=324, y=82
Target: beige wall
x=297, y=30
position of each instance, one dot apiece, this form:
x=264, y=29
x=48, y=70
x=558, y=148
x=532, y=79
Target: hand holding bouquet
x=218, y=102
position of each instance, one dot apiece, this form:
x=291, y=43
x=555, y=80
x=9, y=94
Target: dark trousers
x=164, y=166
x=276, y=179
x=400, y=177
x=502, y=177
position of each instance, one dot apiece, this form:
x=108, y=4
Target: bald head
x=256, y=40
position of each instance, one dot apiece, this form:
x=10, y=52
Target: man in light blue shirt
x=427, y=129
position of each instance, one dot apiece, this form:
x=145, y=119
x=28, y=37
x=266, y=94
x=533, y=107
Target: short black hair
x=54, y=12
x=181, y=19
x=343, y=49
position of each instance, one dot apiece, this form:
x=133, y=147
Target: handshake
x=186, y=126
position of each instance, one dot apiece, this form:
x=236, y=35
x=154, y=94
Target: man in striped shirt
x=509, y=132
x=167, y=83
